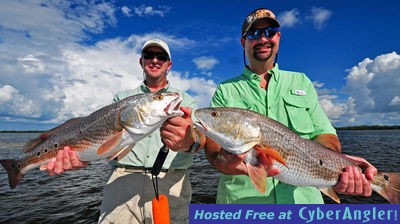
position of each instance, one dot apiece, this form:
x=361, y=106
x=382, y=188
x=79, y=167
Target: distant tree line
x=369, y=127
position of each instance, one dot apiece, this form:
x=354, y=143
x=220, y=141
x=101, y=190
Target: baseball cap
x=158, y=43
x=256, y=15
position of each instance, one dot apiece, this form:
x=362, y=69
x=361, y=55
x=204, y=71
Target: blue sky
x=65, y=59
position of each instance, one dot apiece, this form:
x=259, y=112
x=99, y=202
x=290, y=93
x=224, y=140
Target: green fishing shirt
x=290, y=99
x=146, y=150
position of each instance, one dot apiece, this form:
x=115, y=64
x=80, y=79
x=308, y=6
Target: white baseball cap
x=158, y=43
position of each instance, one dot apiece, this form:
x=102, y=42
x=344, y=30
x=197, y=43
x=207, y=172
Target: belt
x=138, y=168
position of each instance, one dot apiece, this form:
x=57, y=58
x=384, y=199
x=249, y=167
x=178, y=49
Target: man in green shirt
x=288, y=97
x=128, y=194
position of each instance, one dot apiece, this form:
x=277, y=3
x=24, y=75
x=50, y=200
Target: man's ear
x=169, y=65
x=242, y=41
x=140, y=62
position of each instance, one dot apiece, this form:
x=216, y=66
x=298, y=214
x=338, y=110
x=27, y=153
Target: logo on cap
x=257, y=15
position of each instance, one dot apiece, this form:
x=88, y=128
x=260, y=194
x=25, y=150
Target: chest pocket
x=297, y=110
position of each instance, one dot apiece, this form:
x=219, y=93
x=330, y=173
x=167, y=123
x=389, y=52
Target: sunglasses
x=160, y=56
x=256, y=33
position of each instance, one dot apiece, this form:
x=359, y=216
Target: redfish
x=106, y=133
x=301, y=162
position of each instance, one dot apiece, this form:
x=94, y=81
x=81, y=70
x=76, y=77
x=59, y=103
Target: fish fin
x=258, y=176
x=330, y=193
x=14, y=174
x=268, y=150
x=122, y=152
x=32, y=144
x=110, y=144
x=391, y=187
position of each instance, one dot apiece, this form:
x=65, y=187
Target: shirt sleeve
x=217, y=99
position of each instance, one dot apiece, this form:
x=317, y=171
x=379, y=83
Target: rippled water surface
x=75, y=197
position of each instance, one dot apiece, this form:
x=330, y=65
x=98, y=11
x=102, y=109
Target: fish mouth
x=173, y=108
x=200, y=125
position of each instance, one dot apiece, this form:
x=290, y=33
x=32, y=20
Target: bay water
x=75, y=196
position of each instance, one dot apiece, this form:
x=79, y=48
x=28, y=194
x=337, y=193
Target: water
x=75, y=196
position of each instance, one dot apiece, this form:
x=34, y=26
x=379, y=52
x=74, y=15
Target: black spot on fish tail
x=386, y=177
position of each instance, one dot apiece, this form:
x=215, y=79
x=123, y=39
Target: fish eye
x=158, y=97
x=214, y=114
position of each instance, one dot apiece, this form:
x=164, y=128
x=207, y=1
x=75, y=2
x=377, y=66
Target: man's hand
x=232, y=164
x=178, y=133
x=229, y=163
x=353, y=182
x=66, y=159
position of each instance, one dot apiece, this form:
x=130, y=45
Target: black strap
x=158, y=163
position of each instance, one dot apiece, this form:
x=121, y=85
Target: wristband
x=195, y=146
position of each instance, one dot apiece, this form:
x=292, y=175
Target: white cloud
x=374, y=84
x=373, y=93
x=144, y=10
x=66, y=23
x=329, y=103
x=319, y=16
x=6, y=93
x=289, y=18
x=333, y=110
x=126, y=11
x=51, y=78
x=88, y=76
x=12, y=103
x=205, y=63
x=395, y=101
x=318, y=84
x=31, y=64
x=200, y=88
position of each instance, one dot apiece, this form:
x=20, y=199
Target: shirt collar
x=275, y=72
x=250, y=75
x=146, y=89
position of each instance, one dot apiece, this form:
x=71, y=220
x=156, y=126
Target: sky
x=64, y=59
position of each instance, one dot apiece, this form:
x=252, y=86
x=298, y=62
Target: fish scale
x=301, y=162
x=106, y=133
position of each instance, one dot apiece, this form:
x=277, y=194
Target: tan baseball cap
x=158, y=43
x=256, y=15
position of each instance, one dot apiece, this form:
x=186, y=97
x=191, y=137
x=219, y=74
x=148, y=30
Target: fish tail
x=391, y=187
x=14, y=174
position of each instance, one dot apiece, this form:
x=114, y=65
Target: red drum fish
x=106, y=133
x=301, y=162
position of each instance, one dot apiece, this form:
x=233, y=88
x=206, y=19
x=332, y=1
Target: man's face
x=263, y=48
x=154, y=66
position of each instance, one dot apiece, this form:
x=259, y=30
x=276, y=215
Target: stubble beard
x=263, y=58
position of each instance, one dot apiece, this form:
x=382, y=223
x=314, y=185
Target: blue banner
x=267, y=213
